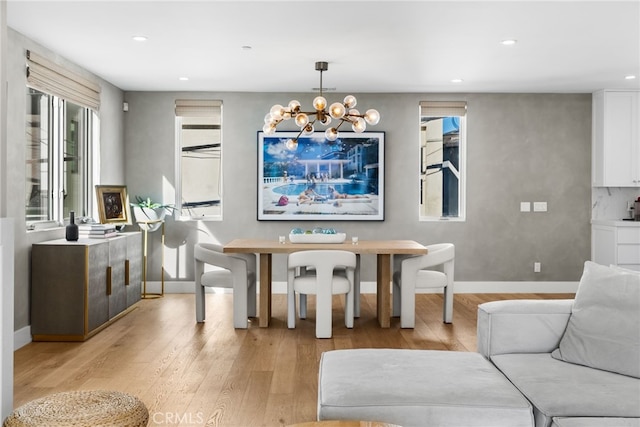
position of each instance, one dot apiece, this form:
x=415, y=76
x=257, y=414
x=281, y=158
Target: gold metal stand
x=145, y=225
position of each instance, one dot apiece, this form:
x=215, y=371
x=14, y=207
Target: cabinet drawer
x=629, y=235
x=628, y=254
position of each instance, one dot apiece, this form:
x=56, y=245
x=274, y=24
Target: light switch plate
x=525, y=206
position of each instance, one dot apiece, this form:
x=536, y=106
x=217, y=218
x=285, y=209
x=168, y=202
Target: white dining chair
x=418, y=272
x=356, y=292
x=237, y=272
x=323, y=273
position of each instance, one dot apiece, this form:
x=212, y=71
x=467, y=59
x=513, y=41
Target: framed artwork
x=113, y=204
x=317, y=179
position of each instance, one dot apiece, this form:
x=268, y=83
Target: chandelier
x=343, y=111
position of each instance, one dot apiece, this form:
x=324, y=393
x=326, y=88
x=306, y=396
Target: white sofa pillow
x=604, y=327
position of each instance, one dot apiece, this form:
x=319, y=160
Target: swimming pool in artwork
x=322, y=188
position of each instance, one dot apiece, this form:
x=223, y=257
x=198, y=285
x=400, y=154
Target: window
x=61, y=132
x=442, y=160
x=199, y=142
x=60, y=136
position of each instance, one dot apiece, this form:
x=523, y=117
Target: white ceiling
x=371, y=46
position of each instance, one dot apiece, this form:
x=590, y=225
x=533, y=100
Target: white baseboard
x=516, y=287
x=370, y=287
x=22, y=336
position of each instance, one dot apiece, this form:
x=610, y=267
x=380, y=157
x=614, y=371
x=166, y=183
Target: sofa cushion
x=418, y=388
x=604, y=327
x=559, y=389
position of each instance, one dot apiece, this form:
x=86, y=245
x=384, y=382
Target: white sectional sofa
x=565, y=363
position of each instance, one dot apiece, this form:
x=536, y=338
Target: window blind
x=54, y=79
x=199, y=108
x=443, y=108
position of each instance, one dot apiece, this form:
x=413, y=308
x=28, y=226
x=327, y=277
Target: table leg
x=162, y=265
x=265, y=290
x=383, y=291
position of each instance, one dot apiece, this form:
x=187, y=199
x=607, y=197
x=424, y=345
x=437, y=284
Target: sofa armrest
x=521, y=326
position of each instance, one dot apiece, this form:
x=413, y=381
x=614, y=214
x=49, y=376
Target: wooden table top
x=362, y=247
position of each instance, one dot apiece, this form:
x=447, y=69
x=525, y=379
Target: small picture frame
x=113, y=204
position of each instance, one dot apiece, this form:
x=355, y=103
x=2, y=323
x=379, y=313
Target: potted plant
x=147, y=212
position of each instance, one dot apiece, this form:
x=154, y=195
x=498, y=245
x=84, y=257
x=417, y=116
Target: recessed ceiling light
x=140, y=38
x=629, y=77
x=509, y=42
x=183, y=79
x=456, y=80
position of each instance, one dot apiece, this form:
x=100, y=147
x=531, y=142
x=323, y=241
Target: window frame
x=206, y=109
x=57, y=132
x=448, y=109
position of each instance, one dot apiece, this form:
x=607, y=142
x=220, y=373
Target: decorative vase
x=71, y=232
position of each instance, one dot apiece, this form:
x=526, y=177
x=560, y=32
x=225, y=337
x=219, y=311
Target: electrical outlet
x=525, y=206
x=536, y=267
x=539, y=206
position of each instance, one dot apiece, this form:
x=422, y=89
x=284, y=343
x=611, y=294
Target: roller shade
x=54, y=79
x=443, y=108
x=198, y=108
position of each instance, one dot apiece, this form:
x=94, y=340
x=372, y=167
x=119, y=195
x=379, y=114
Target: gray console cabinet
x=78, y=288
x=134, y=268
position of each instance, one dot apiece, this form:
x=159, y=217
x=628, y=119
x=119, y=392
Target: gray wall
x=521, y=147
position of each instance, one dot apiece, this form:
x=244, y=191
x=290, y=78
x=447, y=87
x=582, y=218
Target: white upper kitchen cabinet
x=616, y=138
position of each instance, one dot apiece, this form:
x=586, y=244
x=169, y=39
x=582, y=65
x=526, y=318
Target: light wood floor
x=191, y=374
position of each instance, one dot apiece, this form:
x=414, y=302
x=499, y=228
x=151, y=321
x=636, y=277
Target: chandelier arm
x=354, y=115
x=311, y=123
x=302, y=130
x=298, y=135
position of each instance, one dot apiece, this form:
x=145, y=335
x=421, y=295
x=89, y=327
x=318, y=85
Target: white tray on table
x=317, y=238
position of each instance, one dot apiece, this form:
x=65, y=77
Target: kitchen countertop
x=615, y=223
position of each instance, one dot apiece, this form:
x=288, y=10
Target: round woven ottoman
x=91, y=408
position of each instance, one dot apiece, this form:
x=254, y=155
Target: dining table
x=383, y=249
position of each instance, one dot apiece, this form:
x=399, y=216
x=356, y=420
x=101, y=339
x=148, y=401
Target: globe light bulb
x=291, y=144
x=337, y=110
x=319, y=103
x=302, y=119
x=354, y=112
x=268, y=118
x=325, y=119
x=269, y=129
x=359, y=125
x=372, y=117
x=350, y=101
x=294, y=106
x=331, y=134
x=277, y=111
x=308, y=129
x=286, y=115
